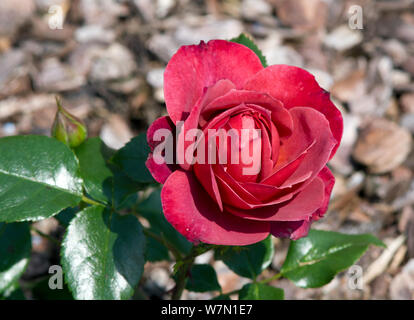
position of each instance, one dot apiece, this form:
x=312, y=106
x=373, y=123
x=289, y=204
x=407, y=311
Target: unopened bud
x=67, y=128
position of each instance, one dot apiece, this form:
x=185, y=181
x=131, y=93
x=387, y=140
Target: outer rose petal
x=290, y=229
x=190, y=210
x=195, y=67
x=296, y=87
x=329, y=180
x=298, y=229
x=160, y=172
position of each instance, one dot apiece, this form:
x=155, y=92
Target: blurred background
x=106, y=59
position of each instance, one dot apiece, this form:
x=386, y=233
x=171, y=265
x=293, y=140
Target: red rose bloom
x=222, y=85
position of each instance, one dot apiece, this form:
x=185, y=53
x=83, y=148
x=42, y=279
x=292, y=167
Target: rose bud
x=67, y=128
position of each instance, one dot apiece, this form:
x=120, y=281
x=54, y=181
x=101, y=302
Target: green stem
x=46, y=236
x=92, y=202
x=185, y=267
x=275, y=277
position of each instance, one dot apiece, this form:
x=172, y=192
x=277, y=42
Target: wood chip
x=382, y=146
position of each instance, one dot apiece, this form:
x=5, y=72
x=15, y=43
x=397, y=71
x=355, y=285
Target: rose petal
x=279, y=176
x=290, y=229
x=295, y=87
x=329, y=180
x=160, y=172
x=196, y=67
x=190, y=210
x=280, y=116
x=301, y=207
x=247, y=166
x=298, y=229
x=310, y=126
x=236, y=196
x=161, y=123
x=218, y=89
x=205, y=176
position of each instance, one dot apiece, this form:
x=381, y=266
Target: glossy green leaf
x=94, y=169
x=246, y=41
x=132, y=157
x=247, y=261
x=103, y=254
x=203, y=278
x=151, y=209
x=258, y=291
x=15, y=247
x=38, y=178
x=314, y=261
x=103, y=181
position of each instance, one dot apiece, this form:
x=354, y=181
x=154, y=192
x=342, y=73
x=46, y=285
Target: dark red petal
x=236, y=196
x=190, y=210
x=205, y=176
x=196, y=67
x=301, y=207
x=290, y=229
x=310, y=127
x=161, y=123
x=295, y=87
x=160, y=172
x=295, y=230
x=329, y=180
x=266, y=193
x=218, y=89
x=280, y=175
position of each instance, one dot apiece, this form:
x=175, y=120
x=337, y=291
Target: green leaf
x=202, y=278
x=15, y=247
x=38, y=178
x=258, y=291
x=246, y=41
x=93, y=155
x=132, y=157
x=151, y=209
x=103, y=181
x=314, y=261
x=65, y=216
x=103, y=255
x=247, y=261
x=155, y=251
